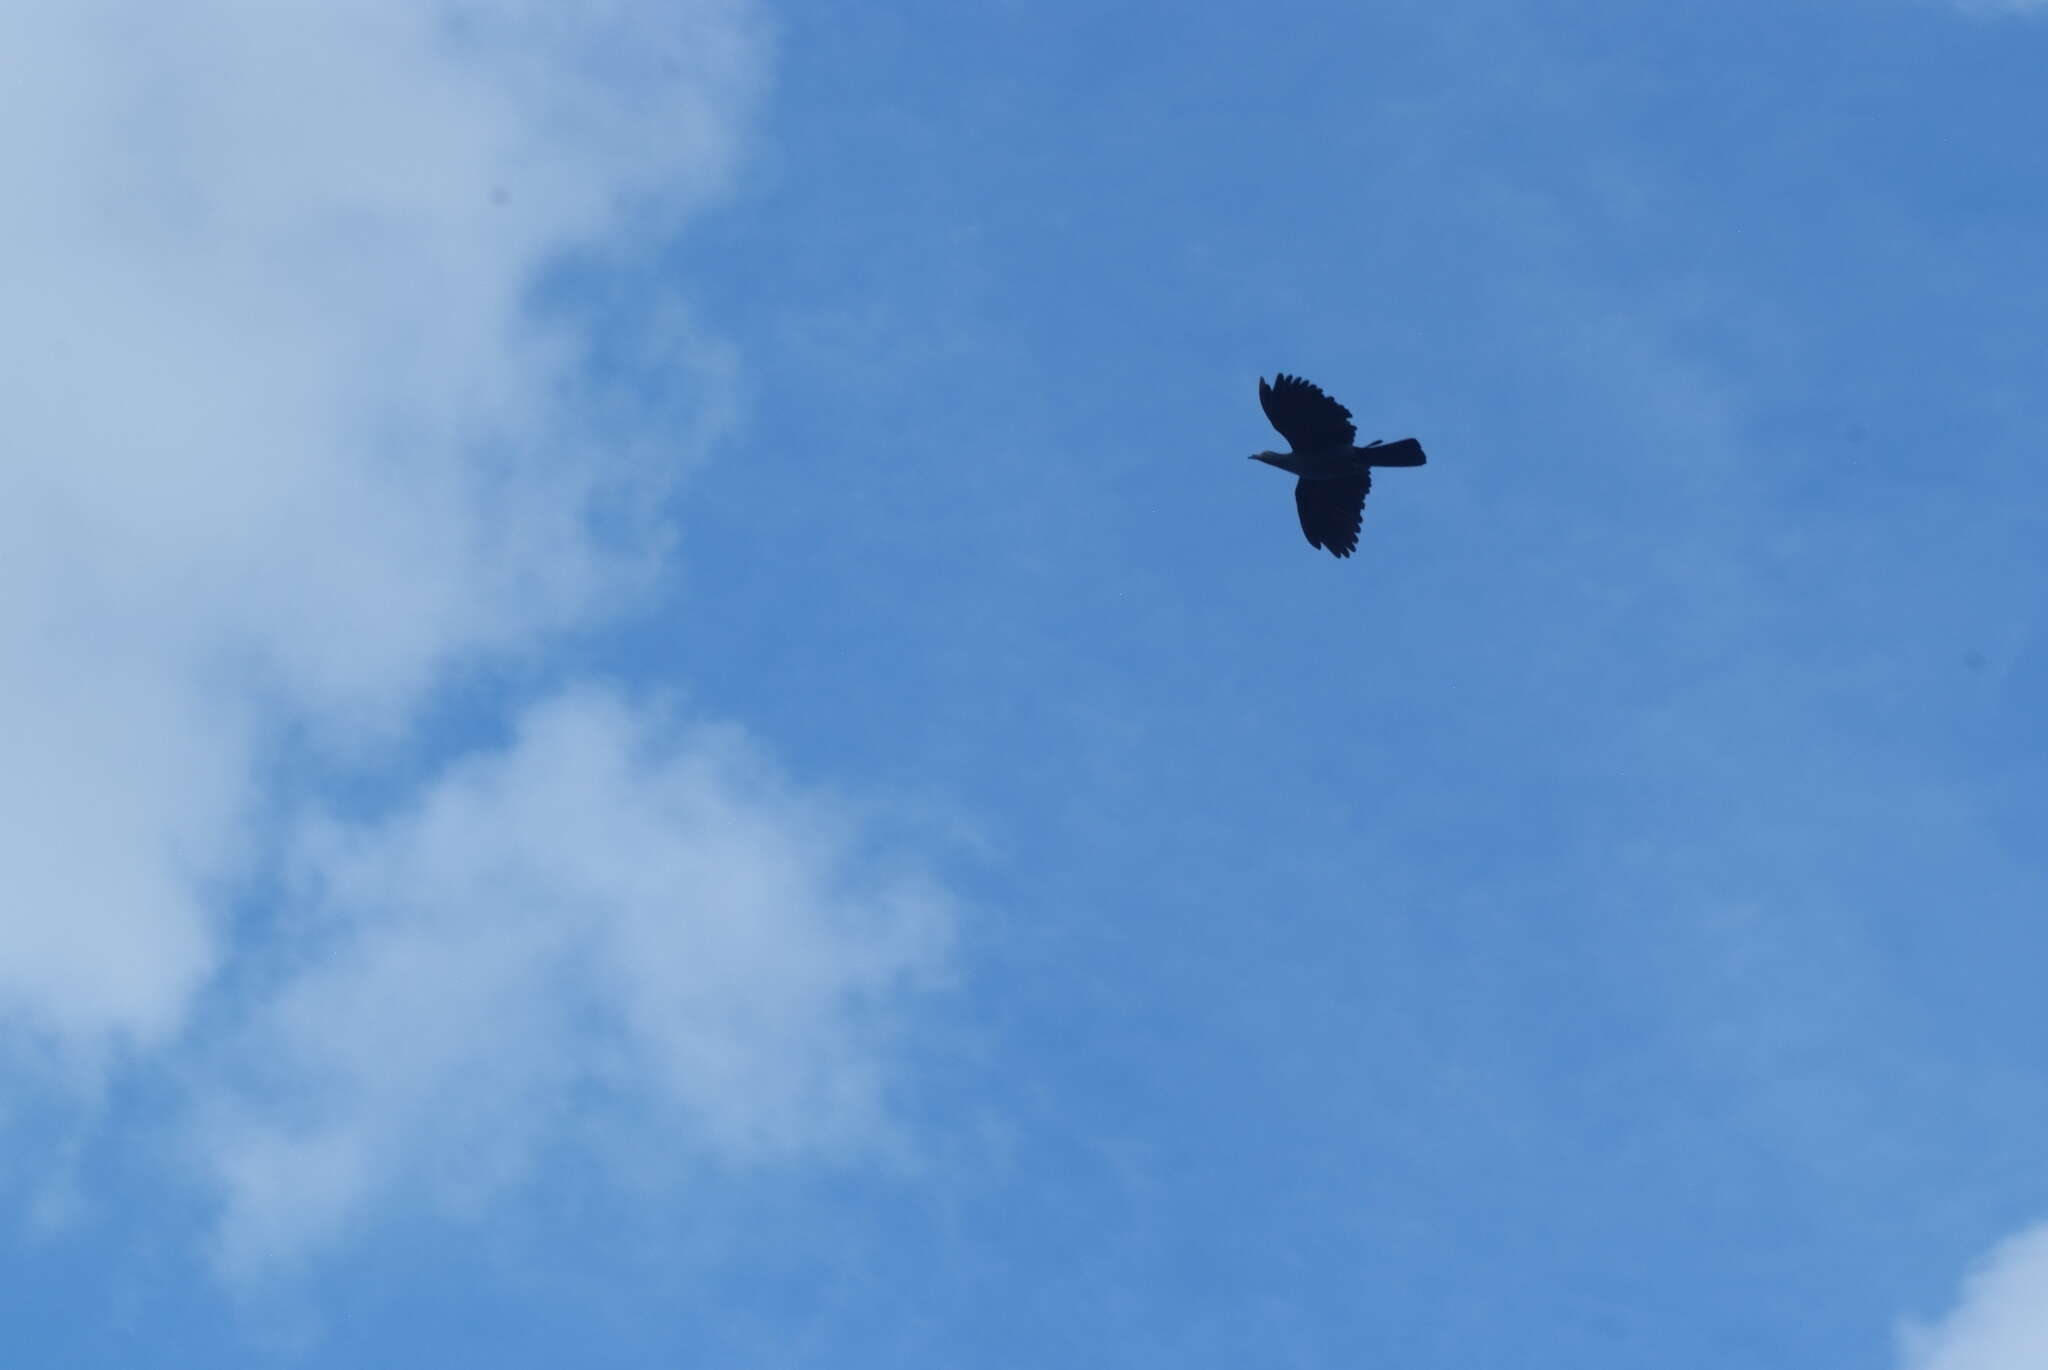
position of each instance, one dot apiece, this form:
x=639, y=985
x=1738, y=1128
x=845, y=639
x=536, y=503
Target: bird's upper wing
x=1331, y=511
x=1305, y=416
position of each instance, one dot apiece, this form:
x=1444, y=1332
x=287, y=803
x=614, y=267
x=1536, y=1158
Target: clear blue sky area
x=1598, y=925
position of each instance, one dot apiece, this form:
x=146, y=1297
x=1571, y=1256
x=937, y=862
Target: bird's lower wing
x=1332, y=510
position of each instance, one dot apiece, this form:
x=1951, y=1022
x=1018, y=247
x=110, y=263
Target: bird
x=1333, y=476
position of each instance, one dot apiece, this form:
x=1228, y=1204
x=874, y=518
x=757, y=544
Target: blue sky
x=654, y=719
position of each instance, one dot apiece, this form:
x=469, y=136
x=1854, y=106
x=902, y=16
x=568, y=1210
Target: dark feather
x=1304, y=415
x=1332, y=510
x=1400, y=452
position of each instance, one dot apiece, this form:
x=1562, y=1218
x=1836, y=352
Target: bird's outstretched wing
x=1331, y=511
x=1305, y=416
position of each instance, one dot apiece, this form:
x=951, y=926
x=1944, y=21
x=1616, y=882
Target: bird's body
x=1333, y=476
x=1325, y=463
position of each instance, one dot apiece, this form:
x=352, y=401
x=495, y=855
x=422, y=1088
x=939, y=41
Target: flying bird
x=1333, y=475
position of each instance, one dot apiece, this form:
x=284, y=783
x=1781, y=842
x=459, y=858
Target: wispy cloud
x=279, y=422
x=287, y=448
x=2001, y=1321
x=617, y=924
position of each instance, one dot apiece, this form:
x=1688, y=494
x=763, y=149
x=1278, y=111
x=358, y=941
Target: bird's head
x=1270, y=458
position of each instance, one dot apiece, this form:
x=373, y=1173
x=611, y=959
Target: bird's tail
x=1406, y=452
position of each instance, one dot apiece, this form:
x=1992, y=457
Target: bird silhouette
x=1332, y=475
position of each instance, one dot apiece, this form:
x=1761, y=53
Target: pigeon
x=1333, y=476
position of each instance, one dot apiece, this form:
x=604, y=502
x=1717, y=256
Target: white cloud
x=2001, y=1321
x=275, y=416
x=640, y=917
x=286, y=448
